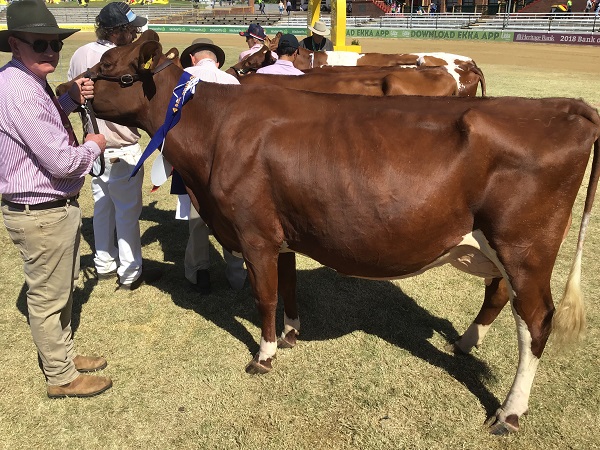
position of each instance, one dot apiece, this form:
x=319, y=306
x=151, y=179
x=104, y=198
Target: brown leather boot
x=89, y=363
x=82, y=386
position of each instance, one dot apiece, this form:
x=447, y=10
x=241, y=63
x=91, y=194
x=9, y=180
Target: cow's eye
x=105, y=66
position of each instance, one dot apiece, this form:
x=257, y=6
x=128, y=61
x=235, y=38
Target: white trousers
x=197, y=255
x=117, y=206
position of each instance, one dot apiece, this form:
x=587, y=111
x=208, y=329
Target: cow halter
x=127, y=79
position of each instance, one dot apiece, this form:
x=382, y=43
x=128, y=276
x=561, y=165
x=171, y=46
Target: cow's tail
x=568, y=323
x=478, y=71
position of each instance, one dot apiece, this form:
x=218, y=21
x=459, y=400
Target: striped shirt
x=37, y=164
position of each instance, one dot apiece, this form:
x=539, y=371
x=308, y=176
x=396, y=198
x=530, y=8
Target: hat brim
x=320, y=33
x=62, y=33
x=186, y=55
x=246, y=34
x=139, y=21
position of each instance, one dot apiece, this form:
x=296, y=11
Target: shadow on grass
x=330, y=305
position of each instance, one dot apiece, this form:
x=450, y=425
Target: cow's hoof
x=453, y=348
x=499, y=427
x=288, y=341
x=256, y=367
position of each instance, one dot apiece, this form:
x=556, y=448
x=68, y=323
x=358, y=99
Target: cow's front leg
x=286, y=270
x=262, y=272
x=496, y=297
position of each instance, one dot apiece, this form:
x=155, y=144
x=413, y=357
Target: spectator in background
x=202, y=59
x=288, y=7
x=261, y=6
x=117, y=198
x=255, y=38
x=569, y=5
x=588, y=6
x=287, y=50
x=317, y=42
x=281, y=6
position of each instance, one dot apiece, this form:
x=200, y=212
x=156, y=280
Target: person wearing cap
x=317, y=42
x=117, y=198
x=203, y=59
x=287, y=50
x=42, y=169
x=255, y=38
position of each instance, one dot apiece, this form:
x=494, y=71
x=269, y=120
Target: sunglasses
x=40, y=45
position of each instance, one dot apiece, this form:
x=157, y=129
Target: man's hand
x=82, y=90
x=98, y=139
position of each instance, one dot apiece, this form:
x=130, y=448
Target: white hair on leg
x=267, y=350
x=289, y=325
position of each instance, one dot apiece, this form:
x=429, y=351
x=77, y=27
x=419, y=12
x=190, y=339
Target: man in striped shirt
x=42, y=169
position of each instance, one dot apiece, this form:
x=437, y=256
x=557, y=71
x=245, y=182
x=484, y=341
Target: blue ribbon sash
x=183, y=92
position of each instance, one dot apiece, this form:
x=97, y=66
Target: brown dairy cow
x=431, y=81
x=425, y=181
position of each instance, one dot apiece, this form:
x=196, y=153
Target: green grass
x=368, y=373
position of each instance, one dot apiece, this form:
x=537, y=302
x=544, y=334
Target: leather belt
x=40, y=206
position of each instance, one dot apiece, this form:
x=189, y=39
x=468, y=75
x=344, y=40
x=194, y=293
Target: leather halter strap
x=127, y=79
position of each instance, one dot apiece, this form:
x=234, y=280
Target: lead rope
x=88, y=117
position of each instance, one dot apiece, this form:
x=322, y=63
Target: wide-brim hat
x=201, y=44
x=320, y=28
x=30, y=16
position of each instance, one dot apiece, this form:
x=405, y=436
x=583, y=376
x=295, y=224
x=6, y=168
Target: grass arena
x=364, y=375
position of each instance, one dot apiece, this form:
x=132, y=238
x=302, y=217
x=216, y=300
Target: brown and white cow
x=462, y=68
x=431, y=81
x=425, y=181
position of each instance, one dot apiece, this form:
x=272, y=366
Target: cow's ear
x=150, y=53
x=173, y=55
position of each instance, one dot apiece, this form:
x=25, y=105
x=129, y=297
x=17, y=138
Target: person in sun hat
x=117, y=198
x=255, y=38
x=190, y=57
x=42, y=169
x=317, y=42
x=287, y=50
x=202, y=59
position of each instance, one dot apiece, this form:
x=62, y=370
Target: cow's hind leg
x=496, y=296
x=286, y=270
x=262, y=271
x=532, y=309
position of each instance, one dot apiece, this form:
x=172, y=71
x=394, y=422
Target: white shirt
x=207, y=70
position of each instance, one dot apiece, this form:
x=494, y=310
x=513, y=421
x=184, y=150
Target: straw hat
x=320, y=28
